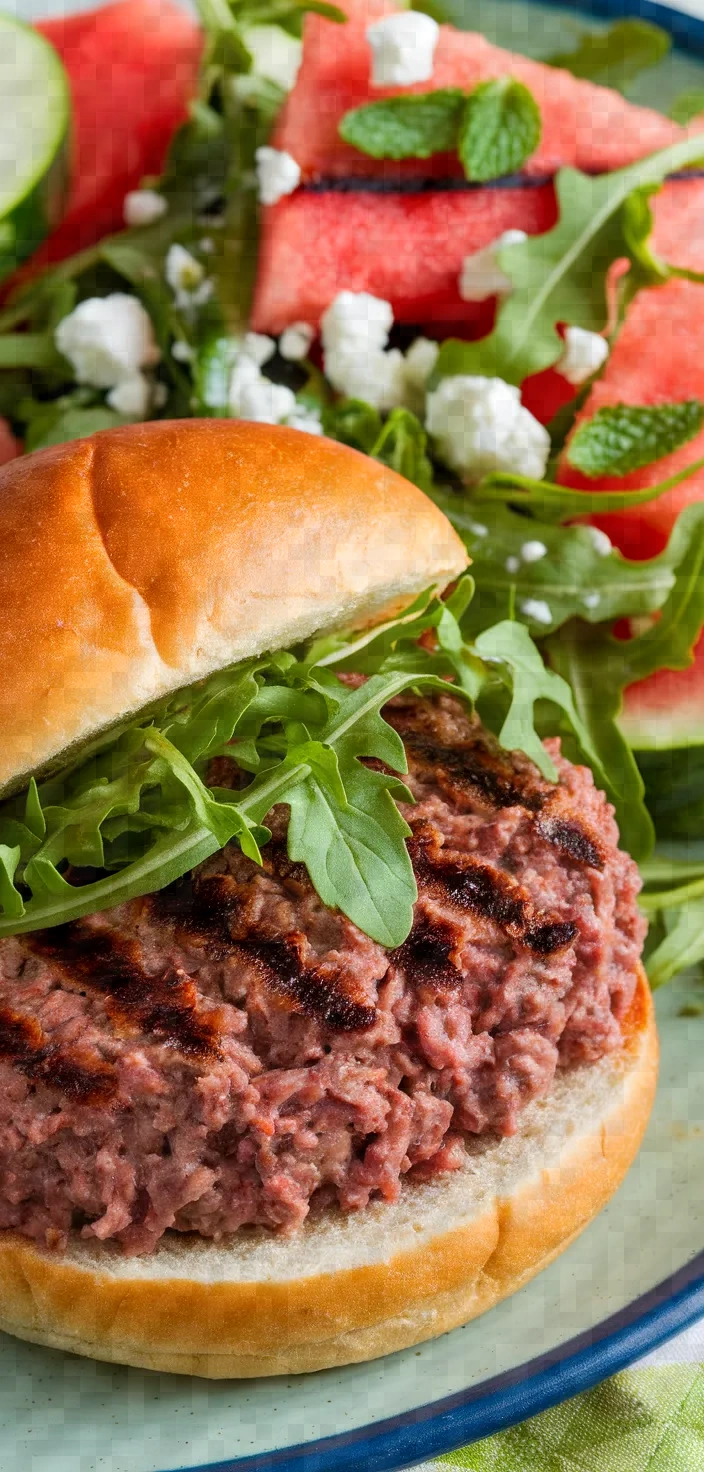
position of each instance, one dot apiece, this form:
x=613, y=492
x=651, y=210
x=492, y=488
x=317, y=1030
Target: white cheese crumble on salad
x=533, y=551
x=275, y=54
x=481, y=275
x=295, y=341
x=584, y=353
x=403, y=49
x=133, y=397
x=107, y=340
x=479, y=425
x=537, y=610
x=186, y=277
x=143, y=207
x=278, y=174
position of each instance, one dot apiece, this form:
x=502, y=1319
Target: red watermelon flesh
x=585, y=125
x=133, y=67
x=406, y=248
x=659, y=357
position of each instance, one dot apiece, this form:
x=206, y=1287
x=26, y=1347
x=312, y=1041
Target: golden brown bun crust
x=139, y=560
x=447, y=1252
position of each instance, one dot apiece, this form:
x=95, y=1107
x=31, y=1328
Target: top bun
x=144, y=558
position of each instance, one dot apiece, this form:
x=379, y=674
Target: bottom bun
x=351, y=1287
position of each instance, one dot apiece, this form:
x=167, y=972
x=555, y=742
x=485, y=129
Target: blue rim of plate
x=443, y=1425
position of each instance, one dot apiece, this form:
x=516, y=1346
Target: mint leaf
x=686, y=107
x=624, y=437
x=406, y=127
x=561, y=276
x=500, y=129
x=615, y=57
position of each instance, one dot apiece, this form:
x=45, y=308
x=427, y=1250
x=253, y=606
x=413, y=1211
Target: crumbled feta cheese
x=403, y=48
x=295, y=341
x=143, y=207
x=481, y=275
x=265, y=402
x=107, y=339
x=182, y=352
x=306, y=419
x=599, y=540
x=275, y=54
x=533, y=551
x=186, y=277
x=356, y=321
x=537, y=610
x=160, y=394
x=479, y=424
x=512, y=564
x=277, y=174
x=132, y=397
x=376, y=376
x=584, y=352
x=476, y=528
x=258, y=347
x=421, y=358
x=206, y=246
x=591, y=600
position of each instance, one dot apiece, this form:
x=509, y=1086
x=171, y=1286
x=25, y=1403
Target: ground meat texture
x=230, y=1052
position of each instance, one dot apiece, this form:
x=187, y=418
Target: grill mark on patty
x=472, y=768
x=23, y=1043
x=203, y=911
x=429, y=955
x=468, y=883
x=165, y=1004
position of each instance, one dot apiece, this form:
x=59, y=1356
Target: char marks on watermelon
x=408, y=247
x=133, y=67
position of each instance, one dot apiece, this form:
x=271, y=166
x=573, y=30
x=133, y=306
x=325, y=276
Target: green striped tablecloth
x=647, y=1419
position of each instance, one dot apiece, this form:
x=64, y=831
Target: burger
x=322, y=1021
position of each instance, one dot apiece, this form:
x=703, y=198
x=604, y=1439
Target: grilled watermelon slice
x=408, y=246
x=132, y=67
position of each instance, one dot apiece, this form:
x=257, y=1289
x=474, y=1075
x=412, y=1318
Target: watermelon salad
x=483, y=270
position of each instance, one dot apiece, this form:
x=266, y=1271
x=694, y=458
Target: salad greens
x=616, y=56
x=137, y=806
x=495, y=128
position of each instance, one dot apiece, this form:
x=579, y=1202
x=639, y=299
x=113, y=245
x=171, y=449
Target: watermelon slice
x=408, y=247
x=133, y=67
x=658, y=358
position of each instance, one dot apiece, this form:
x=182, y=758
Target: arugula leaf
x=599, y=667
x=500, y=129
x=66, y=419
x=561, y=503
x=623, y=437
x=616, y=56
x=686, y=107
x=561, y=276
x=353, y=423
x=401, y=444
x=510, y=646
x=406, y=127
x=570, y=578
x=682, y=946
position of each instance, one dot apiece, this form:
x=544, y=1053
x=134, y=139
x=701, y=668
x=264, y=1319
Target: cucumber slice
x=35, y=112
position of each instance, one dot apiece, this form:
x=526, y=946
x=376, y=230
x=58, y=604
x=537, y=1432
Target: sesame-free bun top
x=142, y=559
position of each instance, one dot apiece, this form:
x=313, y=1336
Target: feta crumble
x=421, y=358
x=584, y=353
x=537, y=610
x=295, y=341
x=481, y=275
x=512, y=564
x=591, y=600
x=355, y=321
x=403, y=49
x=355, y=329
x=479, y=424
x=186, y=277
x=107, y=340
x=258, y=347
x=143, y=207
x=277, y=174
x=182, y=352
x=599, y=540
x=305, y=419
x=133, y=397
x=275, y=54
x=533, y=551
